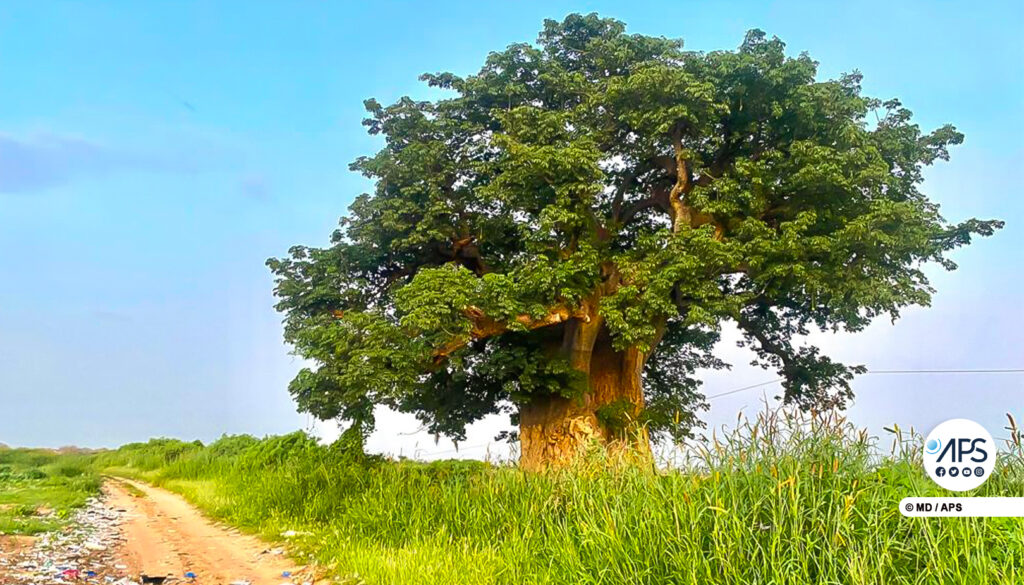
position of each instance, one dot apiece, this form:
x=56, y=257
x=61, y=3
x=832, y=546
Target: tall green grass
x=39, y=489
x=785, y=499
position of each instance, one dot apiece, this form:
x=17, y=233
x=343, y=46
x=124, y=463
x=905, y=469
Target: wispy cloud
x=47, y=160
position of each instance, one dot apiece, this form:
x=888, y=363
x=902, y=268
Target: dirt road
x=165, y=535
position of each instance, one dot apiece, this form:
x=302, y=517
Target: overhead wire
x=960, y=371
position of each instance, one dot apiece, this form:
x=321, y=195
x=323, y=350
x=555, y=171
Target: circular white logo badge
x=959, y=454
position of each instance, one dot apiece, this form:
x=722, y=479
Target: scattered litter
x=85, y=552
x=80, y=553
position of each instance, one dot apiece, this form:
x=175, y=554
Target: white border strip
x=962, y=507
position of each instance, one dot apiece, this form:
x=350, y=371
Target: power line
x=458, y=450
x=1006, y=371
x=979, y=371
x=751, y=387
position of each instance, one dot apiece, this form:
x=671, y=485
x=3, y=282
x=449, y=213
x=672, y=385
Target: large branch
x=657, y=199
x=811, y=380
x=679, y=167
x=628, y=181
x=674, y=200
x=485, y=326
x=767, y=344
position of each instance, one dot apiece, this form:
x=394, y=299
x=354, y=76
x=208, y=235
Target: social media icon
x=979, y=471
x=940, y=471
x=966, y=472
x=953, y=472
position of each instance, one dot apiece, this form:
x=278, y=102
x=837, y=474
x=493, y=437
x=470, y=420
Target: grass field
x=784, y=500
x=39, y=489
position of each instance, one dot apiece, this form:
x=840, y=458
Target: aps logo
x=959, y=454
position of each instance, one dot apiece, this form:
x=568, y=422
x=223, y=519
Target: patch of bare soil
x=165, y=536
x=136, y=534
x=11, y=545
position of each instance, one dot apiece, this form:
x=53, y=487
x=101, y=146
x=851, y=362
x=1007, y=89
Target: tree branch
x=485, y=326
x=766, y=343
x=658, y=199
x=620, y=193
x=680, y=210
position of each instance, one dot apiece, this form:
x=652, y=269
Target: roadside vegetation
x=784, y=499
x=787, y=498
x=39, y=489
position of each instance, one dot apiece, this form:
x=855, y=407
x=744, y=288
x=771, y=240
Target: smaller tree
x=564, y=236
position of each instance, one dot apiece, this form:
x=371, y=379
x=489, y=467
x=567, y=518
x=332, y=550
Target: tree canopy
x=604, y=177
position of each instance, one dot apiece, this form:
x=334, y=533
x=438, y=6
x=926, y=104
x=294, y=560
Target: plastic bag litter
x=80, y=553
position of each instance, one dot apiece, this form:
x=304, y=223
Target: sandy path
x=165, y=535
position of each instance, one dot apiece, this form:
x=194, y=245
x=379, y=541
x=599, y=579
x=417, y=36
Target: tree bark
x=554, y=430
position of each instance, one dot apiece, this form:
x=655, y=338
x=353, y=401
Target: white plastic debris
x=80, y=553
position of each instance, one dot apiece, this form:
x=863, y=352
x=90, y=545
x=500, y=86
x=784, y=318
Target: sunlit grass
x=40, y=489
x=786, y=499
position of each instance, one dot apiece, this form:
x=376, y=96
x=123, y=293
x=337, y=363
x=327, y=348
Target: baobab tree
x=563, y=236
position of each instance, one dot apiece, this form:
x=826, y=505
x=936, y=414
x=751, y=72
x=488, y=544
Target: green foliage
x=787, y=499
x=154, y=454
x=673, y=190
x=39, y=489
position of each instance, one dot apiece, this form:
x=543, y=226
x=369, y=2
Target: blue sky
x=153, y=155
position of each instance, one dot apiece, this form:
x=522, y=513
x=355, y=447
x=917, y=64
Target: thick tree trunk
x=554, y=430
